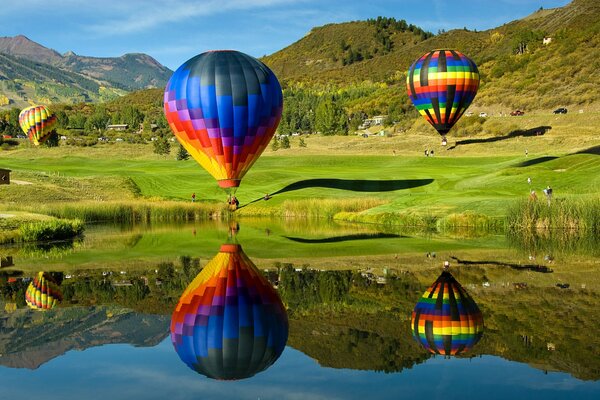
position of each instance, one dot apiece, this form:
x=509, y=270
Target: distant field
x=481, y=174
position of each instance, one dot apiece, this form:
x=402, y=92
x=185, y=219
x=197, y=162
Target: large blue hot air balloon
x=224, y=108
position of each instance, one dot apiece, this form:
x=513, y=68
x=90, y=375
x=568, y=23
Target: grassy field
x=369, y=177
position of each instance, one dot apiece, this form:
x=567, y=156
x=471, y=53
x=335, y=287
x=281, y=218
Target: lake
x=299, y=309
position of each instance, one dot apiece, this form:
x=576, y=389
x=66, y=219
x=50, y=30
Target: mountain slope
x=32, y=73
x=537, y=77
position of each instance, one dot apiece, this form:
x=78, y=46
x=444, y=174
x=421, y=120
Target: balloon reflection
x=446, y=320
x=43, y=292
x=230, y=322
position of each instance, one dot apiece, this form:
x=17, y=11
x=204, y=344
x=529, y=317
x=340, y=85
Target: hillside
x=517, y=70
x=30, y=72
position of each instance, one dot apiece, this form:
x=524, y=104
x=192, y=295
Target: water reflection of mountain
x=29, y=339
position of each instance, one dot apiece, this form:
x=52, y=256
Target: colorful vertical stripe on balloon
x=446, y=320
x=230, y=322
x=224, y=108
x=442, y=84
x=42, y=293
x=38, y=123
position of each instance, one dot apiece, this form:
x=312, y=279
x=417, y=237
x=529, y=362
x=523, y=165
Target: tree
x=302, y=143
x=132, y=116
x=162, y=145
x=77, y=121
x=330, y=118
x=285, y=142
x=52, y=140
x=274, y=144
x=62, y=119
x=182, y=153
x=98, y=120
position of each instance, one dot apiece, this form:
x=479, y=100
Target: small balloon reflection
x=446, y=320
x=230, y=322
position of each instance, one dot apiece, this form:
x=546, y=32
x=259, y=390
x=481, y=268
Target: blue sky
x=172, y=31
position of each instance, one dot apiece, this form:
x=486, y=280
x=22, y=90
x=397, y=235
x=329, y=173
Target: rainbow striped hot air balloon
x=446, y=320
x=43, y=293
x=224, y=108
x=442, y=84
x=38, y=123
x=230, y=322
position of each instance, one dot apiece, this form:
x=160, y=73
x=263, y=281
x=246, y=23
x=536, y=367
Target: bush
x=57, y=229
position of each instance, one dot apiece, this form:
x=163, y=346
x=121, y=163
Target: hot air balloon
x=224, y=107
x=43, y=293
x=446, y=320
x=442, y=84
x=38, y=123
x=230, y=322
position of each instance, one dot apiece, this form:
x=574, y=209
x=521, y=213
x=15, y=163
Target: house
x=4, y=176
x=376, y=120
x=117, y=127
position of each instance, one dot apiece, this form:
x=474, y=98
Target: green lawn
x=481, y=177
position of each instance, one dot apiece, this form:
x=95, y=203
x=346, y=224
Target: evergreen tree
x=274, y=144
x=285, y=142
x=182, y=153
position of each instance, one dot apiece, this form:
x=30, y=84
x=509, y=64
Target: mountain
x=517, y=69
x=29, y=339
x=30, y=72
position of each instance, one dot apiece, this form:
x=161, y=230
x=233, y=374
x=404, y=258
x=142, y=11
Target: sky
x=173, y=31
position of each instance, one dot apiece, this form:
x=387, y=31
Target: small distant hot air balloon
x=446, y=320
x=38, y=123
x=230, y=322
x=43, y=293
x=442, y=84
x=224, y=108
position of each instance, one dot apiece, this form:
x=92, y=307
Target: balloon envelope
x=224, y=108
x=446, y=320
x=442, y=84
x=42, y=293
x=230, y=322
x=38, y=122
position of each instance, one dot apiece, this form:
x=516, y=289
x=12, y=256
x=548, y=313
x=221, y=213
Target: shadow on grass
x=535, y=161
x=355, y=185
x=521, y=267
x=345, y=238
x=537, y=131
x=592, y=150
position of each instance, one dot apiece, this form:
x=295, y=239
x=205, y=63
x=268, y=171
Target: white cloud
x=140, y=16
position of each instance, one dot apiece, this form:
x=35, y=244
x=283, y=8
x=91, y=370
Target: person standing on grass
x=193, y=197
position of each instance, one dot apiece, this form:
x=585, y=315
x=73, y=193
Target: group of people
x=547, y=192
x=429, y=153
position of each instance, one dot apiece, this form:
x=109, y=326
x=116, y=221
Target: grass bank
x=385, y=180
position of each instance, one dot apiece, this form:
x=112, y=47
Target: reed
x=578, y=215
x=470, y=221
x=313, y=208
x=135, y=211
x=56, y=229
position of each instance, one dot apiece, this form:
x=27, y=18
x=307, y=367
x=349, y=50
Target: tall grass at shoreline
x=56, y=229
x=135, y=211
x=580, y=215
x=313, y=208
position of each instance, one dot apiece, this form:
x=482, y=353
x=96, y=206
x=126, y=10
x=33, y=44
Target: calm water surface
x=350, y=333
